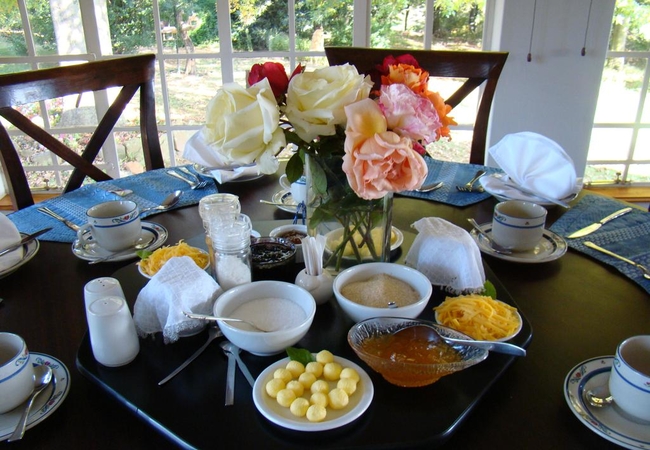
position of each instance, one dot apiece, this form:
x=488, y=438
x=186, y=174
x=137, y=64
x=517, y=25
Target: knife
x=23, y=241
x=594, y=226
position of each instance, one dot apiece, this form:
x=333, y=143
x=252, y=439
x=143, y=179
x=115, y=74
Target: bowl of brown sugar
x=382, y=289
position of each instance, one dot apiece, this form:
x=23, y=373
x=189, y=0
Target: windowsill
x=7, y=206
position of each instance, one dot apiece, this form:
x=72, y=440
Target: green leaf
x=490, y=290
x=143, y=254
x=294, y=168
x=300, y=354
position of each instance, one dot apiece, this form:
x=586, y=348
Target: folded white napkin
x=447, y=255
x=198, y=150
x=536, y=163
x=180, y=285
x=9, y=235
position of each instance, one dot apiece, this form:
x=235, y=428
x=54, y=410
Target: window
x=619, y=152
x=201, y=44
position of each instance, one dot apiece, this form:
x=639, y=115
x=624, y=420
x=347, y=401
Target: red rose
x=274, y=72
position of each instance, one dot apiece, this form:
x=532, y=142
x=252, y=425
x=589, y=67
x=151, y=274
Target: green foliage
x=131, y=25
x=300, y=354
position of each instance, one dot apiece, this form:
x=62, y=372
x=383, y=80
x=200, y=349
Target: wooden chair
x=477, y=67
x=128, y=73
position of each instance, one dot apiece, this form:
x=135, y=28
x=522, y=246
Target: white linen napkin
x=536, y=163
x=180, y=285
x=447, y=255
x=9, y=235
x=198, y=150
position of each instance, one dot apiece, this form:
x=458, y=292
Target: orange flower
x=443, y=109
x=413, y=77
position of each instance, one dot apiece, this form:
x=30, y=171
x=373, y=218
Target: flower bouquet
x=356, y=145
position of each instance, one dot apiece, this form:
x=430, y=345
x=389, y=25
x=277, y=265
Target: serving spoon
x=227, y=319
x=430, y=334
x=43, y=378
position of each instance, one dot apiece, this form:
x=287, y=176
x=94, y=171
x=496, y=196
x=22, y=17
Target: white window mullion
x=225, y=41
x=361, y=23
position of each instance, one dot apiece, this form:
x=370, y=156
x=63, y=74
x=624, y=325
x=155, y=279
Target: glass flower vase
x=356, y=230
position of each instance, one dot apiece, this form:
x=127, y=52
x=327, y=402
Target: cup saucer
x=284, y=200
x=550, y=247
x=151, y=231
x=605, y=421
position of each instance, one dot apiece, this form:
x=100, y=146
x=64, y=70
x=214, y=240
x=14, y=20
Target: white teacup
x=16, y=372
x=629, y=381
x=114, y=225
x=298, y=188
x=518, y=225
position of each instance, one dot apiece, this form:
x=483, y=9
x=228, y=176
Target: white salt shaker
x=100, y=288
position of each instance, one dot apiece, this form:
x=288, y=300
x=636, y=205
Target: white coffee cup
x=114, y=225
x=16, y=372
x=298, y=188
x=629, y=381
x=518, y=225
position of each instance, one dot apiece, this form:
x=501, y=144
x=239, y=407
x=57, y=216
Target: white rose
x=242, y=125
x=315, y=100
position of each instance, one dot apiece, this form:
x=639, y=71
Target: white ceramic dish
x=149, y=276
x=336, y=234
x=494, y=185
x=282, y=229
x=279, y=415
x=47, y=401
x=550, y=248
x=93, y=251
x=362, y=272
x=507, y=338
x=606, y=422
x=29, y=251
x=284, y=201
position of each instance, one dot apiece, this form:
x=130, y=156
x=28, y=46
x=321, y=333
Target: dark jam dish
x=268, y=253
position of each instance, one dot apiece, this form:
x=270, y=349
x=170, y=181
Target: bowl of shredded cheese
x=480, y=317
x=150, y=265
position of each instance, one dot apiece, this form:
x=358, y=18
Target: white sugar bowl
x=319, y=286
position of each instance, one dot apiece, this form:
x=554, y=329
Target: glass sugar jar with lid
x=231, y=245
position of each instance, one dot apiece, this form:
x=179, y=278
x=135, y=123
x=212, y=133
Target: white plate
x=207, y=172
x=93, y=251
x=507, y=338
x=605, y=421
x=269, y=407
x=550, y=248
x=29, y=251
x=335, y=234
x=149, y=276
x=284, y=201
x=47, y=401
x=494, y=185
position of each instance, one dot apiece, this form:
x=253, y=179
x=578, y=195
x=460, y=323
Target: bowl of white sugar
x=382, y=289
x=285, y=310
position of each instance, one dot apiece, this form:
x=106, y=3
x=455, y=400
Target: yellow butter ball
x=316, y=413
x=296, y=386
x=314, y=367
x=324, y=357
x=299, y=407
x=296, y=368
x=274, y=386
x=319, y=398
x=320, y=386
x=349, y=372
x=348, y=385
x=285, y=397
x=332, y=371
x=338, y=398
x=307, y=379
x=283, y=374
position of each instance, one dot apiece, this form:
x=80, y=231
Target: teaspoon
x=227, y=319
x=430, y=187
x=43, y=377
x=167, y=203
x=599, y=396
x=493, y=245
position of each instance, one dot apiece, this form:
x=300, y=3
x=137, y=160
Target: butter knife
x=594, y=226
x=23, y=241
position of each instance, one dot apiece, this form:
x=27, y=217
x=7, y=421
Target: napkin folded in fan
x=198, y=150
x=9, y=235
x=447, y=255
x=180, y=285
x=536, y=163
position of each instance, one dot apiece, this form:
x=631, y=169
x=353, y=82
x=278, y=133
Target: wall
x=556, y=93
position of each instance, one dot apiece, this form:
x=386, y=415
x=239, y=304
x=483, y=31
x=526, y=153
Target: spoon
x=430, y=187
x=167, y=203
x=141, y=245
x=227, y=319
x=599, y=396
x=231, y=349
x=431, y=335
x=43, y=377
x=496, y=247
x=641, y=267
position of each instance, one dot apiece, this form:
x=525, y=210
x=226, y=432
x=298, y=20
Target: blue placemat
x=628, y=235
x=452, y=174
x=149, y=189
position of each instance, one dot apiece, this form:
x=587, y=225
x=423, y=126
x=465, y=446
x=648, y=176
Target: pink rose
x=378, y=161
x=408, y=114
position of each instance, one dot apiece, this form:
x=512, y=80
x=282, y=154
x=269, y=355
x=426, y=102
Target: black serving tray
x=190, y=409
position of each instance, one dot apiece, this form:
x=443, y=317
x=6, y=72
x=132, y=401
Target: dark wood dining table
x=578, y=308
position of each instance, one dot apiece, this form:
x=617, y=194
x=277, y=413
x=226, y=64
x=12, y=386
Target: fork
x=48, y=212
x=193, y=184
x=469, y=186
